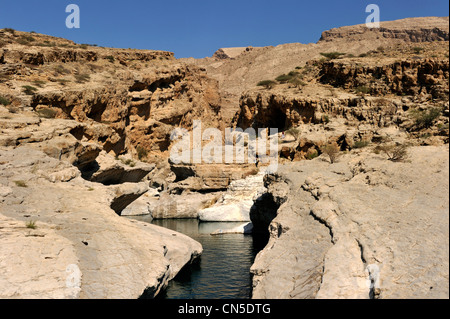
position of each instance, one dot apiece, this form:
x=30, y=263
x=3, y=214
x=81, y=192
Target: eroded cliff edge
x=77, y=123
x=364, y=227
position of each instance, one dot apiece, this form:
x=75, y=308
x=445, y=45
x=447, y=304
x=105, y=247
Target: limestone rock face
x=185, y=205
x=431, y=29
x=61, y=239
x=401, y=77
x=235, y=204
x=128, y=100
x=282, y=109
x=230, y=53
x=358, y=228
x=242, y=72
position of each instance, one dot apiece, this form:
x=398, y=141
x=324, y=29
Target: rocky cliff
x=242, y=72
x=364, y=227
x=353, y=99
x=85, y=135
x=81, y=128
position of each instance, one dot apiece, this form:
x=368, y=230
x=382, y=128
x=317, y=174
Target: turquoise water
x=223, y=271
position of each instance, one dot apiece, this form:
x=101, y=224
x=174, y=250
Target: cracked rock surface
x=61, y=238
x=364, y=227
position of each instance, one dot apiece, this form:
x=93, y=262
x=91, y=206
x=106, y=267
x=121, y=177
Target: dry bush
x=395, y=152
x=82, y=78
x=294, y=132
x=332, y=151
x=211, y=202
x=268, y=84
x=332, y=55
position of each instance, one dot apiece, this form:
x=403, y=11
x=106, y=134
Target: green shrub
x=268, y=84
x=39, y=83
x=362, y=89
x=110, y=58
x=297, y=82
x=4, y=101
x=61, y=70
x=63, y=81
x=326, y=119
x=425, y=118
x=29, y=90
x=10, y=30
x=141, y=152
x=28, y=38
x=313, y=155
x=283, y=78
x=21, y=184
x=360, y=144
x=332, y=55
x=128, y=162
x=47, y=113
x=418, y=50
x=31, y=224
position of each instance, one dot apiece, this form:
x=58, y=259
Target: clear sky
x=197, y=28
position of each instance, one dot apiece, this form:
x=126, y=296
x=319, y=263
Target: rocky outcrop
x=409, y=30
x=358, y=228
x=61, y=239
x=407, y=77
x=141, y=114
x=230, y=53
x=170, y=206
x=208, y=177
x=128, y=100
x=244, y=71
x=283, y=111
x=236, y=202
x=425, y=80
x=77, y=124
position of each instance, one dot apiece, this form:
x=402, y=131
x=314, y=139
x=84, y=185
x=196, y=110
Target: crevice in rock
x=119, y=175
x=262, y=213
x=120, y=203
x=373, y=292
x=323, y=222
x=361, y=248
x=154, y=291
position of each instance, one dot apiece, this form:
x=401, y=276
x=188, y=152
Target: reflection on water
x=223, y=271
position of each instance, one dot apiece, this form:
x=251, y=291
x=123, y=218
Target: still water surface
x=223, y=271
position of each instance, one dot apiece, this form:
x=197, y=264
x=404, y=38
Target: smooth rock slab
x=238, y=212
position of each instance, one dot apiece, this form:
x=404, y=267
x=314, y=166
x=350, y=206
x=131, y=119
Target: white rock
x=241, y=229
x=237, y=212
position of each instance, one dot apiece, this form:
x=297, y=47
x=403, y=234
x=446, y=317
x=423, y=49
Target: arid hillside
x=237, y=73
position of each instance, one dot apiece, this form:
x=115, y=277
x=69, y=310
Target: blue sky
x=197, y=28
